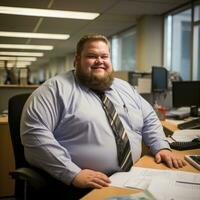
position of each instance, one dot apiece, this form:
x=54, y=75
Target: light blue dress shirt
x=64, y=128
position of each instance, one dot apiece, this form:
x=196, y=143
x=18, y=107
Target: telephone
x=194, y=144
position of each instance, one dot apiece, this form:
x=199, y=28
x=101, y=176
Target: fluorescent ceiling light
x=34, y=35
x=47, y=13
x=9, y=53
x=26, y=46
x=18, y=58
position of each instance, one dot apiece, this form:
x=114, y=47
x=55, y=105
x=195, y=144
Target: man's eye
x=91, y=56
x=104, y=57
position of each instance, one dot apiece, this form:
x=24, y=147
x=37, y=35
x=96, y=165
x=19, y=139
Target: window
x=182, y=42
x=179, y=43
x=196, y=44
x=123, y=50
x=197, y=13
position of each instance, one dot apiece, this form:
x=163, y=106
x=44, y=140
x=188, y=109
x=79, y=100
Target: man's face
x=94, y=68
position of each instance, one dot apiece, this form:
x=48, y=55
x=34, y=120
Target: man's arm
x=40, y=118
x=155, y=138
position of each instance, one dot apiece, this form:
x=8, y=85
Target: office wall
x=149, y=42
x=69, y=61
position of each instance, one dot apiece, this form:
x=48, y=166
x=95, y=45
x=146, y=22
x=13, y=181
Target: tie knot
x=101, y=94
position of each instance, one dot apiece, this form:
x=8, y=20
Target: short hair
x=89, y=37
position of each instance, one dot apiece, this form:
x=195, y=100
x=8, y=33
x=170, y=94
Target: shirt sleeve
x=152, y=131
x=40, y=117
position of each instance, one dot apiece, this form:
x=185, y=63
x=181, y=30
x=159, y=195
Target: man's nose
x=99, y=59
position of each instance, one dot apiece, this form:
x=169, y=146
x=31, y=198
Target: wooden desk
x=145, y=161
x=168, y=125
x=3, y=120
x=7, y=162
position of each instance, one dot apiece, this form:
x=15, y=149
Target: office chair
x=30, y=182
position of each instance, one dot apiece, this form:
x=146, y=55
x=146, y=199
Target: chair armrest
x=33, y=177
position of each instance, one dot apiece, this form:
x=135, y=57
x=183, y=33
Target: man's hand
x=169, y=159
x=90, y=179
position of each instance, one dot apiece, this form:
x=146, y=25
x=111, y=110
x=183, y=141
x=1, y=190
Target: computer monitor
x=186, y=94
x=159, y=77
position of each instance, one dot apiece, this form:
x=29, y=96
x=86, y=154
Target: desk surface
x=145, y=161
x=4, y=120
x=168, y=125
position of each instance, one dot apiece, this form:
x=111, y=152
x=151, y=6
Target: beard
x=93, y=81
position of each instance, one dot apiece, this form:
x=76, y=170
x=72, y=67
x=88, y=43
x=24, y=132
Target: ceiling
x=115, y=16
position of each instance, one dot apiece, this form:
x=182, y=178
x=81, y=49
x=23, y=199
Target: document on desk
x=137, y=196
x=168, y=189
x=141, y=178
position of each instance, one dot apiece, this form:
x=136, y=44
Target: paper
x=168, y=189
x=119, y=179
x=186, y=135
x=138, y=196
x=141, y=178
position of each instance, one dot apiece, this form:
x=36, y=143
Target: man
x=65, y=130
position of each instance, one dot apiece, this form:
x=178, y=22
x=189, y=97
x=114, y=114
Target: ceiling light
x=34, y=35
x=8, y=53
x=26, y=46
x=47, y=13
x=18, y=58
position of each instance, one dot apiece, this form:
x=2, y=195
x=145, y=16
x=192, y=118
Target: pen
x=185, y=182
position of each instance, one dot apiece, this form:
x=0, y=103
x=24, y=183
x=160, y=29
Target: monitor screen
x=186, y=93
x=159, y=79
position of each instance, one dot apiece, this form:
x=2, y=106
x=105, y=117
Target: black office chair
x=29, y=181
x=32, y=183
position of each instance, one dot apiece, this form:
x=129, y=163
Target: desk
x=146, y=161
x=7, y=162
x=168, y=125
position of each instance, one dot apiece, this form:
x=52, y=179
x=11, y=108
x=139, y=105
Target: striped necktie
x=121, y=138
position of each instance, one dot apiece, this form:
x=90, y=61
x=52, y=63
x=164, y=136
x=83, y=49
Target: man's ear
x=74, y=63
x=76, y=60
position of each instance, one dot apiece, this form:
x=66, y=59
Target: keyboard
x=193, y=160
x=192, y=124
x=194, y=144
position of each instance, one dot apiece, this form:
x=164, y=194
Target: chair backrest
x=15, y=106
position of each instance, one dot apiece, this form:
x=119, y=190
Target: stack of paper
x=160, y=183
x=167, y=189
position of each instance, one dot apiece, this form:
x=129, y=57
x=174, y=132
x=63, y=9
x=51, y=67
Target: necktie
x=121, y=138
